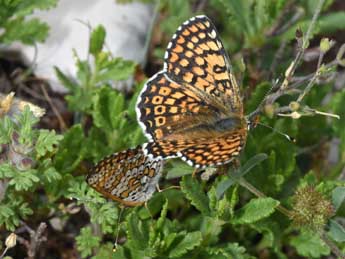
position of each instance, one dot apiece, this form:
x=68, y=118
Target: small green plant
x=15, y=24
x=282, y=199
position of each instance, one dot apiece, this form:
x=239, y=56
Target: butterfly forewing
x=192, y=108
x=196, y=56
x=129, y=177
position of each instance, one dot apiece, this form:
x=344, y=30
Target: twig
x=200, y=5
x=55, y=110
x=36, y=238
x=280, y=19
x=277, y=57
x=299, y=13
x=303, y=46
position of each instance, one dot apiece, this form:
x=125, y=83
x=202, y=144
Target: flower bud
x=296, y=115
x=325, y=45
x=269, y=110
x=11, y=240
x=294, y=106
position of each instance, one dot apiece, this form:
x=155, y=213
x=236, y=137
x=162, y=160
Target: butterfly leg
x=196, y=170
x=170, y=187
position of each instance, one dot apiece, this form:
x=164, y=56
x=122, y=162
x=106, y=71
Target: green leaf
x=23, y=181
x=71, y=150
x=310, y=245
x=51, y=175
x=86, y=241
x=7, y=171
x=108, y=106
x=67, y=82
x=336, y=231
x=255, y=210
x=97, y=40
x=12, y=210
x=115, y=70
x=338, y=197
x=26, y=121
x=252, y=162
x=6, y=129
x=231, y=250
x=29, y=32
x=46, y=141
x=106, y=252
x=194, y=192
x=161, y=220
x=190, y=241
x=137, y=231
x=179, y=169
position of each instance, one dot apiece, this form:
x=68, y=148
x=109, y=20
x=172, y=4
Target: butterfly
x=129, y=177
x=193, y=108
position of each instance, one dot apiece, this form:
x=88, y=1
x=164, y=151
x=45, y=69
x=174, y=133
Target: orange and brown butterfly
x=193, y=108
x=129, y=177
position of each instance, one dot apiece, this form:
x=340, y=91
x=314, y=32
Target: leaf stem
x=243, y=182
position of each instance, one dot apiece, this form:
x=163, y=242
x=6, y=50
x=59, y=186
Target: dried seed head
x=311, y=209
x=11, y=240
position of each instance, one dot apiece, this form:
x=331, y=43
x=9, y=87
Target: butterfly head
x=252, y=121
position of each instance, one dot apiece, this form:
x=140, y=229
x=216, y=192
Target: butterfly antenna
x=258, y=109
x=118, y=229
x=279, y=132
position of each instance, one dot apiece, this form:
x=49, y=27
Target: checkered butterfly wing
x=182, y=107
x=129, y=177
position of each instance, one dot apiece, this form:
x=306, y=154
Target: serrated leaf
x=6, y=129
x=46, y=141
x=189, y=241
x=255, y=210
x=7, y=171
x=232, y=250
x=86, y=241
x=310, y=245
x=29, y=32
x=338, y=197
x=137, y=232
x=194, y=192
x=23, y=181
x=67, y=82
x=116, y=70
x=336, y=231
x=161, y=220
x=71, y=150
x=97, y=40
x=108, y=106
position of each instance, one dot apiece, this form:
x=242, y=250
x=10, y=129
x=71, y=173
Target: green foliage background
x=214, y=219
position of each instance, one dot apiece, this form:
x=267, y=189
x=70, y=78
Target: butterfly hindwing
x=129, y=177
x=201, y=152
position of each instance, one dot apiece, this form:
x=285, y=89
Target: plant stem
x=331, y=245
x=2, y=255
x=243, y=182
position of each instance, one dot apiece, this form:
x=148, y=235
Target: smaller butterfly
x=129, y=177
